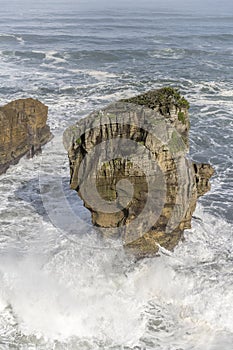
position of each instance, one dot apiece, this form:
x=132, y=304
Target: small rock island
x=23, y=130
x=129, y=165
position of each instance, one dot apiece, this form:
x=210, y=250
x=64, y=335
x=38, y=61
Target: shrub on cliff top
x=165, y=96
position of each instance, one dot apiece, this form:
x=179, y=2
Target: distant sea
x=64, y=288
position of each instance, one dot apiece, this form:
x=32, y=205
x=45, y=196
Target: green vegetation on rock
x=181, y=117
x=78, y=141
x=166, y=96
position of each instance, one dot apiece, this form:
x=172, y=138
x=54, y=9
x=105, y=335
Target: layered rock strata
x=128, y=163
x=23, y=130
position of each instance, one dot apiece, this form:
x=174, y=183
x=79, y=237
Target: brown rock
x=128, y=163
x=23, y=130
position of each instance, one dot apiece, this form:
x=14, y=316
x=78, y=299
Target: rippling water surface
x=60, y=286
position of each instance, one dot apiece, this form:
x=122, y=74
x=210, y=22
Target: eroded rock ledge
x=128, y=163
x=23, y=130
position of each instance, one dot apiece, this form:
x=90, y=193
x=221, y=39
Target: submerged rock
x=128, y=163
x=23, y=130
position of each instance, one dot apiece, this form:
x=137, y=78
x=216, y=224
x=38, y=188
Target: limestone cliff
x=23, y=130
x=128, y=163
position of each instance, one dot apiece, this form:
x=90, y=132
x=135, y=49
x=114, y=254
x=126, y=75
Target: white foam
x=97, y=74
x=51, y=56
x=72, y=290
x=3, y=303
x=67, y=300
x=168, y=53
x=17, y=38
x=206, y=90
x=20, y=40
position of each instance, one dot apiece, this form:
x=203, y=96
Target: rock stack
x=128, y=163
x=23, y=130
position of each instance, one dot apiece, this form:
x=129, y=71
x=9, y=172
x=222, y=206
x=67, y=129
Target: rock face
x=128, y=164
x=23, y=130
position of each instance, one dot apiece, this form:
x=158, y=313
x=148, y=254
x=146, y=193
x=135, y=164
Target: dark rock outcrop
x=128, y=163
x=23, y=130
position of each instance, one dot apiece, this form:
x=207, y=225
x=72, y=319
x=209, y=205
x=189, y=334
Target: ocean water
x=61, y=286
